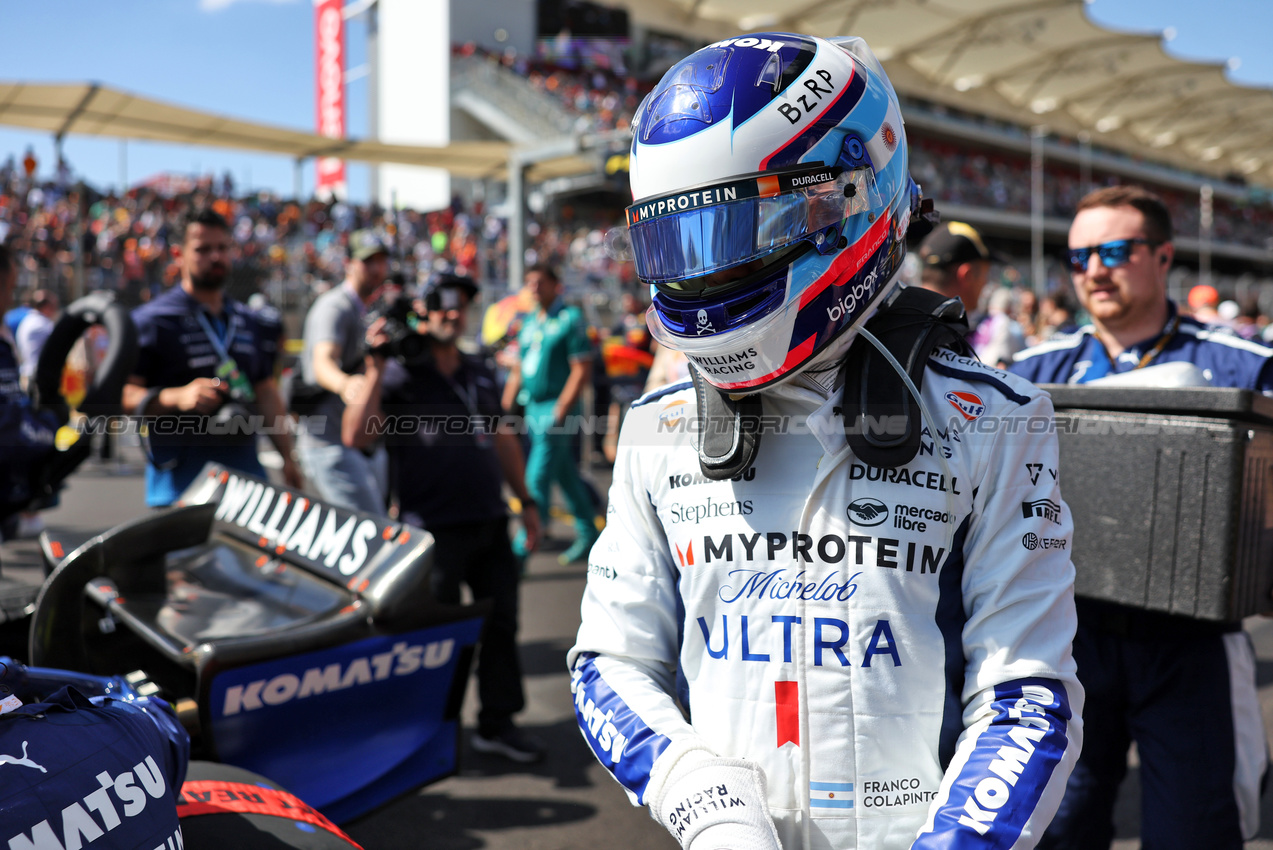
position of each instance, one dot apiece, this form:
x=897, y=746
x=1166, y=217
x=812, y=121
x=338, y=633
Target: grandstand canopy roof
x=1029, y=62
x=90, y=109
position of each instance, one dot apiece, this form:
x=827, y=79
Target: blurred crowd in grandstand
x=597, y=99
x=289, y=250
x=1000, y=180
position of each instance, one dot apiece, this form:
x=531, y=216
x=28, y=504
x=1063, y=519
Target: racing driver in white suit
x=791, y=637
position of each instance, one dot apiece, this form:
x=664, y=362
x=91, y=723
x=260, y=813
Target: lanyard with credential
x=1172, y=327
x=240, y=389
x=218, y=345
x=1168, y=333
x=223, y=353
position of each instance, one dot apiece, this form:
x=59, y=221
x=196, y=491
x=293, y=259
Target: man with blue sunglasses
x=1182, y=689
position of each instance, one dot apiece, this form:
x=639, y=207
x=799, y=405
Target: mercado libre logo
x=969, y=405
x=867, y=512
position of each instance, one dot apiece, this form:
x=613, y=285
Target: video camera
x=405, y=342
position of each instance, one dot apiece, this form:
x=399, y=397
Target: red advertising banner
x=329, y=28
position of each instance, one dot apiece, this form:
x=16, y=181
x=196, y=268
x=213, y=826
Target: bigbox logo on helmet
x=771, y=195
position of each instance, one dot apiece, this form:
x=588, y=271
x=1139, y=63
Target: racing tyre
x=222, y=806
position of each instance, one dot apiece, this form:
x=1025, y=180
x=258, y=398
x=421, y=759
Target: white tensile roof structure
x=90, y=109
x=1029, y=62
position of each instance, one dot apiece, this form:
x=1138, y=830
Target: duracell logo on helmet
x=813, y=179
x=758, y=185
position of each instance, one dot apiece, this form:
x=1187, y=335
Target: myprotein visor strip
x=692, y=233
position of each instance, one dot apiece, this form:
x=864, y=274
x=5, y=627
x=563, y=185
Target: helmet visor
x=679, y=241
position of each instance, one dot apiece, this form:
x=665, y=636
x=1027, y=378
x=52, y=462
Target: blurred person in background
x=1229, y=312
x=554, y=365
x=448, y=481
x=1057, y=314
x=1247, y=323
x=998, y=337
x=332, y=359
x=1027, y=311
x=15, y=314
x=1182, y=689
x=33, y=331
x=669, y=367
x=956, y=263
x=26, y=437
x=503, y=321
x=1203, y=303
x=627, y=359
x=200, y=354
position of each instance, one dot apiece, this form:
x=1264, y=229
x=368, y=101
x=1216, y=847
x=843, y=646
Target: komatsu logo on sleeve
x=1014, y=759
x=401, y=660
x=598, y=722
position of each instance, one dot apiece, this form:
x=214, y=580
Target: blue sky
x=253, y=59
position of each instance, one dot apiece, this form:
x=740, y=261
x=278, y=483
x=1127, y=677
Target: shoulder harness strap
x=916, y=324
x=728, y=435
x=882, y=423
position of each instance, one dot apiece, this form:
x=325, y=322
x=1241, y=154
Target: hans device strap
x=916, y=324
x=882, y=423
x=728, y=434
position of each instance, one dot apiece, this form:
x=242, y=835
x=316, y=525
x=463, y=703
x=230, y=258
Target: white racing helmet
x=772, y=202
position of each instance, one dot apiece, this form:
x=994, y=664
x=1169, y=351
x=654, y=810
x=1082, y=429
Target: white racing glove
x=711, y=803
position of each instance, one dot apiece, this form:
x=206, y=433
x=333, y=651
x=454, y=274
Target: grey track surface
x=568, y=801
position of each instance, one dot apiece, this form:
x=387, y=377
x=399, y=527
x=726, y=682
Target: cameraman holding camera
x=449, y=466
x=331, y=366
x=202, y=356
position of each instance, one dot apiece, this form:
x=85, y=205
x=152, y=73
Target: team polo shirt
x=443, y=458
x=26, y=437
x=174, y=349
x=1226, y=359
x=91, y=773
x=550, y=339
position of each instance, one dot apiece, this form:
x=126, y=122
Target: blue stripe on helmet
x=794, y=150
